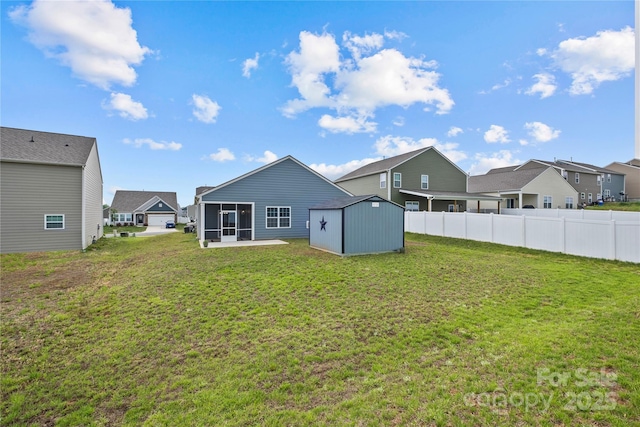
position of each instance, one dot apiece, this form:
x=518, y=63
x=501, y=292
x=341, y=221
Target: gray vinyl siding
x=443, y=176
x=369, y=184
x=371, y=230
x=329, y=239
x=30, y=191
x=284, y=184
x=588, y=184
x=158, y=209
x=615, y=186
x=93, y=198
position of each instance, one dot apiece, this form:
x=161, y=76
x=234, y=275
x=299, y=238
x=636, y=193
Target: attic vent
x=31, y=139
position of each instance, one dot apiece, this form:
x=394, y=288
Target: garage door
x=159, y=219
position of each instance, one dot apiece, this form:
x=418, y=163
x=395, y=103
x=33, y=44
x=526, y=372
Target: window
x=383, y=180
x=424, y=182
x=511, y=203
x=548, y=202
x=397, y=180
x=608, y=177
x=278, y=217
x=123, y=217
x=412, y=206
x=54, y=222
x=568, y=202
x=582, y=196
x=590, y=198
x=598, y=196
x=599, y=178
x=577, y=178
x=607, y=192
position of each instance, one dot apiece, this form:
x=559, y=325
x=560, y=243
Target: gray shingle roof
x=343, y=202
x=503, y=169
x=595, y=168
x=571, y=167
x=32, y=146
x=381, y=165
x=126, y=201
x=503, y=181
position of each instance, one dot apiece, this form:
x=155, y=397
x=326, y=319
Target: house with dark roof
x=541, y=187
x=423, y=179
x=631, y=170
x=50, y=191
x=585, y=180
x=152, y=208
x=612, y=183
x=271, y=202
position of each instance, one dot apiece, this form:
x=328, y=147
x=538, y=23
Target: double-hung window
x=568, y=202
x=577, y=178
x=412, y=206
x=278, y=217
x=548, y=202
x=383, y=180
x=397, y=180
x=54, y=222
x=424, y=182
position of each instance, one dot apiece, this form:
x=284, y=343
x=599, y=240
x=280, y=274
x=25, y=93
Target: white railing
x=610, y=239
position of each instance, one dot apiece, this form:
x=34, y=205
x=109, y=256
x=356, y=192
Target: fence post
x=465, y=224
x=524, y=231
x=443, y=235
x=563, y=226
x=613, y=239
x=492, y=239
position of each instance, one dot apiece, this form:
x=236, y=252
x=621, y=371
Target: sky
x=183, y=94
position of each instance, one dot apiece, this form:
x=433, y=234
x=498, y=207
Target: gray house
x=421, y=180
x=357, y=225
x=268, y=203
x=612, y=182
x=153, y=208
x=631, y=170
x=50, y=191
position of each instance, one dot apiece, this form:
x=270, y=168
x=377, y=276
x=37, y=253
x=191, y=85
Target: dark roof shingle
x=30, y=146
x=126, y=201
x=381, y=165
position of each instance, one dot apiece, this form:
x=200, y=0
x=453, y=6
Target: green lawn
x=617, y=206
x=157, y=331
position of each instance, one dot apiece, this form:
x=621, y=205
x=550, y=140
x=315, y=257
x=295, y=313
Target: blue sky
x=184, y=94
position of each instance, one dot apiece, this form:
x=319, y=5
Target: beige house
x=631, y=169
x=541, y=188
x=50, y=191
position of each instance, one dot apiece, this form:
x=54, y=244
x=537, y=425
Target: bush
x=145, y=224
x=118, y=224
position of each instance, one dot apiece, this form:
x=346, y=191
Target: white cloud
x=395, y=35
x=267, y=157
x=347, y=125
x=607, y=56
x=250, y=64
x=205, y=109
x=541, y=132
x=399, y=121
x=336, y=171
x=126, y=106
x=496, y=134
x=222, y=155
x=355, y=87
x=497, y=86
x=454, y=131
x=484, y=162
x=545, y=86
x=93, y=38
x=153, y=145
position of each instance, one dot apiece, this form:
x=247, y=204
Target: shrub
x=118, y=224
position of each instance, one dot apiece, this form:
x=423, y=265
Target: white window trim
x=383, y=180
x=568, y=202
x=544, y=204
x=266, y=217
x=413, y=203
x=577, y=178
x=46, y=222
x=422, y=182
x=394, y=180
x=582, y=196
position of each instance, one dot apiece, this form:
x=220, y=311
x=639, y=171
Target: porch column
x=201, y=222
x=478, y=206
x=429, y=203
x=520, y=200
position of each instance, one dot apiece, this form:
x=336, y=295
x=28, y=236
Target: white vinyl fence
x=598, y=215
x=609, y=239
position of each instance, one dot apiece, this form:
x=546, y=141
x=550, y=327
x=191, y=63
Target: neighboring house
x=106, y=216
x=270, y=202
x=540, y=187
x=631, y=169
x=585, y=181
x=50, y=191
x=150, y=208
x=612, y=183
x=423, y=179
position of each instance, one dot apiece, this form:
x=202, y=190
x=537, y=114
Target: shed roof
x=343, y=202
x=132, y=201
x=30, y=146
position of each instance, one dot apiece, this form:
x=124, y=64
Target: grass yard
x=157, y=331
x=617, y=206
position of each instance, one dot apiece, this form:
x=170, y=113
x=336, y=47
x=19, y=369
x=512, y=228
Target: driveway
x=155, y=230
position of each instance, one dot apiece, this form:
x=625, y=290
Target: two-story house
x=612, y=183
x=419, y=180
x=631, y=170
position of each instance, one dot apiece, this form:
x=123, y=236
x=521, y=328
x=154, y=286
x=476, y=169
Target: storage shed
x=357, y=225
